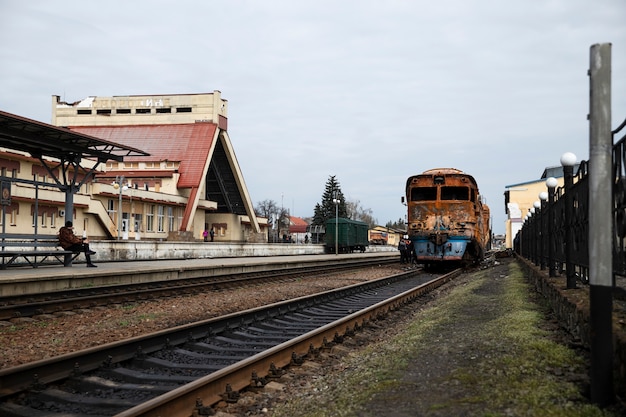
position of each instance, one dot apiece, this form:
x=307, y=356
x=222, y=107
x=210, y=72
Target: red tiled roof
x=297, y=225
x=188, y=143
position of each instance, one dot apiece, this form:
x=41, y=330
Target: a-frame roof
x=188, y=144
x=193, y=145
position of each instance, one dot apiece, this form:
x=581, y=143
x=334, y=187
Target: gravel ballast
x=482, y=345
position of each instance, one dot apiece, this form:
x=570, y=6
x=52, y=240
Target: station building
x=187, y=179
x=519, y=200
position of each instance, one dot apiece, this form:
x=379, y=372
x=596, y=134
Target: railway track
x=186, y=370
x=83, y=298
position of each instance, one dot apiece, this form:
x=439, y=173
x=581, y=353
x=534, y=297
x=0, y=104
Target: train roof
x=442, y=171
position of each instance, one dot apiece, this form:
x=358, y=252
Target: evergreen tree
x=326, y=210
x=318, y=218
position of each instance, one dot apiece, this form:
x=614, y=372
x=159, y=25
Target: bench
x=33, y=250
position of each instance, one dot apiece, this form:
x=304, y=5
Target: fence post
x=600, y=225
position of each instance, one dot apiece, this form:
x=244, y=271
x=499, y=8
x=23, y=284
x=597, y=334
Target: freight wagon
x=345, y=235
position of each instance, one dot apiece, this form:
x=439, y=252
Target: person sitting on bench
x=69, y=241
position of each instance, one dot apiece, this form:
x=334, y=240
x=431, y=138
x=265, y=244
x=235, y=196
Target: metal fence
x=555, y=236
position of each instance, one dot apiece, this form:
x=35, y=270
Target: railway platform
x=26, y=280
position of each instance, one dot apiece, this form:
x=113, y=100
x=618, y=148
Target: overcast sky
x=371, y=92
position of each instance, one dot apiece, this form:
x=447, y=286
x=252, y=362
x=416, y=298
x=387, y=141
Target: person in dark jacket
x=69, y=241
x=402, y=249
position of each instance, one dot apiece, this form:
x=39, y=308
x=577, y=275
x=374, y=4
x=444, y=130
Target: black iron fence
x=556, y=234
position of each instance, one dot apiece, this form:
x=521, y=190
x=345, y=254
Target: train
x=447, y=220
x=345, y=236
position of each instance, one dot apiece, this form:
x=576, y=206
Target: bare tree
x=277, y=218
x=355, y=211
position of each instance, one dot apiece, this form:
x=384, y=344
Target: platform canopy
x=44, y=141
x=41, y=139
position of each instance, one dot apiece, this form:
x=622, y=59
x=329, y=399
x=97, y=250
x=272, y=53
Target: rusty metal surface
x=447, y=219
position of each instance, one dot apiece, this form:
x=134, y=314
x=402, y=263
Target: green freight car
x=345, y=236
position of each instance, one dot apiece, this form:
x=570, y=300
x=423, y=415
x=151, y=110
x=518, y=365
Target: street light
x=543, y=197
x=568, y=160
x=537, y=232
x=551, y=183
x=336, y=201
x=119, y=180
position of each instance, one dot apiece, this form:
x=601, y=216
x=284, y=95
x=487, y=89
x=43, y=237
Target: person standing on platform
x=212, y=233
x=69, y=241
x=402, y=249
x=205, y=235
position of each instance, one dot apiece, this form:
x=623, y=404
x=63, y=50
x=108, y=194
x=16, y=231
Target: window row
x=140, y=110
x=158, y=218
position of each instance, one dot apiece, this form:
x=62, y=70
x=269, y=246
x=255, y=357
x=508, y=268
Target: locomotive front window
x=455, y=193
x=424, y=194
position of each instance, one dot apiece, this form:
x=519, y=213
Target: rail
x=214, y=387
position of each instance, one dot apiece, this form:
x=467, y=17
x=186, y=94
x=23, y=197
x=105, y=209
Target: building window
x=142, y=111
x=138, y=224
x=164, y=110
x=104, y=111
x=122, y=111
x=170, y=219
x=111, y=208
x=183, y=110
x=12, y=211
x=83, y=112
x=150, y=219
x=160, y=219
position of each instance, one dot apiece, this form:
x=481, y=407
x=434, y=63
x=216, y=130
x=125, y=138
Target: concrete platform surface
x=27, y=280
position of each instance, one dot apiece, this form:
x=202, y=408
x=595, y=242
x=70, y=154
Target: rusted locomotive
x=447, y=220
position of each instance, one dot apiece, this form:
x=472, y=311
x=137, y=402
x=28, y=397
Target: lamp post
x=543, y=197
x=119, y=180
x=538, y=221
x=551, y=183
x=568, y=160
x=336, y=201
x=533, y=234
